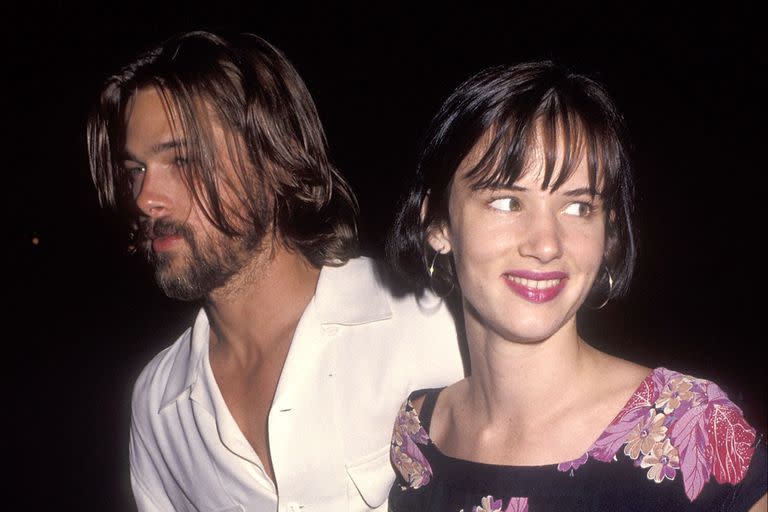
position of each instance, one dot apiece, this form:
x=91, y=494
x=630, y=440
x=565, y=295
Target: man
x=283, y=393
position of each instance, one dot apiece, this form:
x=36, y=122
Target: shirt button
x=331, y=330
x=294, y=507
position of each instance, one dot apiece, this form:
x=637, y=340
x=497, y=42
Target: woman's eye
x=579, y=209
x=505, y=204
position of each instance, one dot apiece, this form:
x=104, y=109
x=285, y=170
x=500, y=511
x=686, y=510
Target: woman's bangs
x=561, y=140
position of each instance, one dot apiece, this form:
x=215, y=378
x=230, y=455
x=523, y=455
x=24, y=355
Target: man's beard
x=206, y=267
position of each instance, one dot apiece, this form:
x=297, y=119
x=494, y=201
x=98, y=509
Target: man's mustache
x=151, y=229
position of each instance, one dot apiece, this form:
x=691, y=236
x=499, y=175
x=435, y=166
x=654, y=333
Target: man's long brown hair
x=284, y=182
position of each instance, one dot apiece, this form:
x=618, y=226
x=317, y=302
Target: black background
x=84, y=316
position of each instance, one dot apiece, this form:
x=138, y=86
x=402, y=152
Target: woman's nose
x=542, y=239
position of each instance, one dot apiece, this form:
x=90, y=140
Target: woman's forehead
x=549, y=162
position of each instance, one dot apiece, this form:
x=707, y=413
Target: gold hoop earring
x=610, y=289
x=431, y=267
x=432, y=279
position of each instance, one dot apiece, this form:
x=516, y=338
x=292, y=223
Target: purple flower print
x=663, y=461
x=573, y=464
x=404, y=452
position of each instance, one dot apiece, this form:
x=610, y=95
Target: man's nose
x=156, y=191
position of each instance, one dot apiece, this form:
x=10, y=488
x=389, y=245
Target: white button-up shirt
x=356, y=354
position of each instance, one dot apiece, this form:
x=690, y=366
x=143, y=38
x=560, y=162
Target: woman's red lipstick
x=536, y=287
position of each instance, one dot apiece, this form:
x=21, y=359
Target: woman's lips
x=536, y=287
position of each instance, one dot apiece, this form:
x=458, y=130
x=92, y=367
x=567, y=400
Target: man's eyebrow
x=160, y=147
x=165, y=146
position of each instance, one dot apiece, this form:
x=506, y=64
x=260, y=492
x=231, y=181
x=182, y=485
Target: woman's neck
x=512, y=379
x=531, y=402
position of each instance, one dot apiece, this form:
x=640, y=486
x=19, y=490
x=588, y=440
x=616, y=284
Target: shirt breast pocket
x=371, y=476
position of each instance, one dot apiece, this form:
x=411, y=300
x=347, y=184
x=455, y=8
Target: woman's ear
x=439, y=239
x=438, y=234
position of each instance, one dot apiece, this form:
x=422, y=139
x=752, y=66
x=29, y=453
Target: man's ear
x=438, y=235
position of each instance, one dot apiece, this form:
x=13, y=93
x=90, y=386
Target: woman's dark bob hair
x=284, y=182
x=516, y=108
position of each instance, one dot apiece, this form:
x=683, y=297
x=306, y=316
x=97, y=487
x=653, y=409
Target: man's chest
x=248, y=394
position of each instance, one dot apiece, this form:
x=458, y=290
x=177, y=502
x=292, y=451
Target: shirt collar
x=351, y=294
x=187, y=362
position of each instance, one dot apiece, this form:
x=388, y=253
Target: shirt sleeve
x=146, y=482
x=435, y=355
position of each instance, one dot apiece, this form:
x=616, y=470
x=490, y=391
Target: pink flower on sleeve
x=404, y=452
x=689, y=435
x=573, y=464
x=675, y=392
x=646, y=435
x=635, y=412
x=663, y=461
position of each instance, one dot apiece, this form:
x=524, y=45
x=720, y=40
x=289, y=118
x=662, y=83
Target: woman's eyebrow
x=492, y=187
x=583, y=191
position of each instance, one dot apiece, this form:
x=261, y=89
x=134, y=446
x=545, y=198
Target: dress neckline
x=430, y=401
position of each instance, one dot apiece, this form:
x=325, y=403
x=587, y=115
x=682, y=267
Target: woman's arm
x=761, y=505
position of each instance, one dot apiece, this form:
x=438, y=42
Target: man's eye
x=135, y=171
x=505, y=204
x=180, y=161
x=579, y=209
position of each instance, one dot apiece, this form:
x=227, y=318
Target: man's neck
x=259, y=308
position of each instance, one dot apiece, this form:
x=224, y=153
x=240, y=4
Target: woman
x=523, y=200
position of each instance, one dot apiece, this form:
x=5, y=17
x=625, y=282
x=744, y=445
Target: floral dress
x=678, y=444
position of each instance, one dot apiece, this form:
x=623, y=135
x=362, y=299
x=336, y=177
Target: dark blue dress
x=679, y=444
